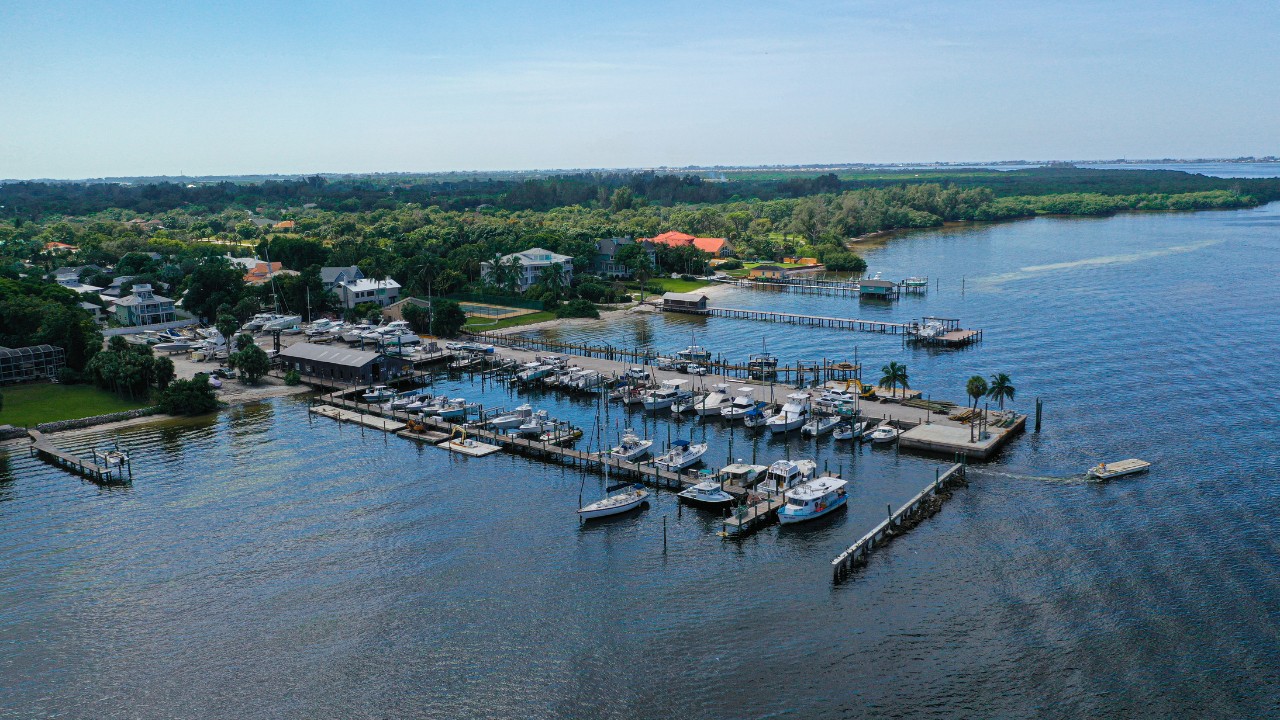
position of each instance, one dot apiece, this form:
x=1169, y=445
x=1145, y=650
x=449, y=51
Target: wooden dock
x=377, y=422
x=853, y=324
x=46, y=451
x=926, y=503
x=753, y=516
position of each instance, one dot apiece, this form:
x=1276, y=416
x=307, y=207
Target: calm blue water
x=266, y=565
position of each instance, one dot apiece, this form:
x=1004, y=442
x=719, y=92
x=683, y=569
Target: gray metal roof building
x=326, y=364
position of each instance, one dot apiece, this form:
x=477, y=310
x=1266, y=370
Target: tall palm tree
x=976, y=388
x=552, y=280
x=893, y=376
x=1001, y=388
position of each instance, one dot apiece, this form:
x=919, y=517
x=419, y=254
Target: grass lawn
x=480, y=323
x=30, y=405
x=674, y=284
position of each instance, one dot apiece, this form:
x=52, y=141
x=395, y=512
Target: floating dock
x=469, y=447
x=377, y=422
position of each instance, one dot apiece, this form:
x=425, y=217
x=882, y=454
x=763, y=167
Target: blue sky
x=141, y=88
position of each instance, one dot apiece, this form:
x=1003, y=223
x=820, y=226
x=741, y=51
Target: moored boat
x=813, y=499
x=631, y=447
x=681, y=455
x=785, y=474
x=708, y=493
x=792, y=415
x=615, y=504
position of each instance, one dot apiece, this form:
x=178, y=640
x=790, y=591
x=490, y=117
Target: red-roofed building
x=59, y=247
x=288, y=225
x=719, y=247
x=262, y=272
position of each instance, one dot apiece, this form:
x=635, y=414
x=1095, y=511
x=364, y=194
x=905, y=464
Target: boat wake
x=1031, y=271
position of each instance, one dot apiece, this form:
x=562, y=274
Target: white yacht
x=631, y=447
x=538, y=423
x=513, y=419
x=378, y=394
x=714, y=402
x=820, y=425
x=533, y=370
x=681, y=455
x=743, y=402
x=709, y=493
x=282, y=322
x=669, y=392
x=257, y=321
x=785, y=474
x=615, y=504
x=812, y=499
x=454, y=409
x=356, y=333
x=793, y=414
x=884, y=434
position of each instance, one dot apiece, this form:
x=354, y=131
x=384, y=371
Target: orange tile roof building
x=718, y=247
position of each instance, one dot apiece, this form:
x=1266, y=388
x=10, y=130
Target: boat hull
x=594, y=511
x=694, y=500
x=790, y=519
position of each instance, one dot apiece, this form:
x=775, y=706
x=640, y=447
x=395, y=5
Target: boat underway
x=1106, y=471
x=793, y=414
x=681, y=455
x=615, y=504
x=812, y=499
x=631, y=447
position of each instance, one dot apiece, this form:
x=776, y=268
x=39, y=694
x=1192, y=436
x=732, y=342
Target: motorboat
x=694, y=353
x=323, y=326
x=714, y=402
x=756, y=417
x=534, y=370
x=743, y=402
x=631, y=447
x=793, y=414
x=819, y=425
x=916, y=282
x=615, y=504
x=282, y=322
x=513, y=419
x=404, y=400
x=664, y=396
x=684, y=405
x=356, y=333
x=786, y=474
x=256, y=322
x=585, y=380
x=177, y=346
x=1118, y=468
x=744, y=475
x=466, y=362
x=813, y=499
x=681, y=455
x=537, y=423
x=454, y=409
x=397, y=332
x=884, y=434
x=379, y=393
x=709, y=494
x=561, y=434
x=762, y=364
x=842, y=431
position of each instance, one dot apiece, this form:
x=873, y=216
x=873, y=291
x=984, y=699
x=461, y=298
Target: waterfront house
x=605, y=264
x=532, y=262
x=338, y=365
x=684, y=302
x=144, y=307
x=331, y=276
x=767, y=272
x=379, y=292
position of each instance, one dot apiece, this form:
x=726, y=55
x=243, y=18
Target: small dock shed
x=684, y=302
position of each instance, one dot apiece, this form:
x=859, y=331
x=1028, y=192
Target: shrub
x=577, y=309
x=292, y=377
x=845, y=262
x=730, y=265
x=189, y=397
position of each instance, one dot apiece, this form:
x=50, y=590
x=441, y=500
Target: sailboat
x=631, y=497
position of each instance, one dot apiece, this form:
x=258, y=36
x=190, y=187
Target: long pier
x=926, y=503
x=871, y=326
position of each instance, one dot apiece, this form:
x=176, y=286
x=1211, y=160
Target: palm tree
x=893, y=376
x=976, y=388
x=552, y=280
x=1001, y=388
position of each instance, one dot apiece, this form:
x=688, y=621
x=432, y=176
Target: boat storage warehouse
x=355, y=367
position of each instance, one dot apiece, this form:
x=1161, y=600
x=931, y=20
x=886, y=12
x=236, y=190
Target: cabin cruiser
x=378, y=394
x=709, y=494
x=533, y=370
x=884, y=434
x=282, y=322
x=812, y=499
x=785, y=474
x=714, y=402
x=513, y=419
x=695, y=353
x=454, y=409
x=793, y=414
x=537, y=423
x=176, y=346
x=819, y=425
x=743, y=402
x=681, y=455
x=631, y=447
x=257, y=322
x=762, y=364
x=356, y=333
x=664, y=396
x=322, y=326
x=744, y=475
x=615, y=504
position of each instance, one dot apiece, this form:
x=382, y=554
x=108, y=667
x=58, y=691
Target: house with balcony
x=144, y=307
x=532, y=263
x=379, y=292
x=605, y=263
